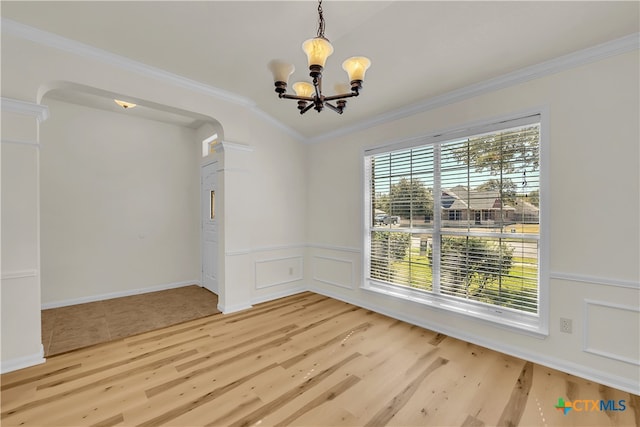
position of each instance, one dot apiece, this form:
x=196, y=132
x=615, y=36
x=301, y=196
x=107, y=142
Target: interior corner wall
x=120, y=204
x=594, y=206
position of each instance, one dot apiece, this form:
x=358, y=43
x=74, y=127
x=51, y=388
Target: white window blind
x=459, y=219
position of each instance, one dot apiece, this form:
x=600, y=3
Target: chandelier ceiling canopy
x=309, y=95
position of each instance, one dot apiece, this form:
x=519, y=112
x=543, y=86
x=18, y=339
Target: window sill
x=511, y=320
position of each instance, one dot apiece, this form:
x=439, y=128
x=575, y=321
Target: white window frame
x=536, y=325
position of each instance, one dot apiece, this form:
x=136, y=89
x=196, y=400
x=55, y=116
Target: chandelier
x=309, y=95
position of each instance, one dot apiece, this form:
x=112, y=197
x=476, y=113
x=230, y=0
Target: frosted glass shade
x=356, y=66
x=281, y=70
x=304, y=89
x=318, y=50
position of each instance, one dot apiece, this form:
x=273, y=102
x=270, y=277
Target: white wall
x=20, y=344
x=594, y=209
x=34, y=63
x=119, y=204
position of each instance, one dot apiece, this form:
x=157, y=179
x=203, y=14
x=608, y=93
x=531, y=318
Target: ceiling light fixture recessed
x=310, y=95
x=124, y=104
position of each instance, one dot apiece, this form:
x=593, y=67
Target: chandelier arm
x=299, y=98
x=346, y=95
x=307, y=108
x=333, y=107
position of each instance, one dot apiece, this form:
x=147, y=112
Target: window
x=467, y=237
x=208, y=145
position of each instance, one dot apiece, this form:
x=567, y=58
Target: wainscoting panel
x=334, y=271
x=278, y=271
x=606, y=331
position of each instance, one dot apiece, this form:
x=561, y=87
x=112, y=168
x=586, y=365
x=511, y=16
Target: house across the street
x=460, y=204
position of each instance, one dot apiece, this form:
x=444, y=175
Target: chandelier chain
x=320, y=20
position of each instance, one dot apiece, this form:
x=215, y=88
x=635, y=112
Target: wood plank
x=100, y=382
x=515, y=405
x=301, y=360
x=271, y=406
x=213, y=394
x=323, y=398
x=384, y=415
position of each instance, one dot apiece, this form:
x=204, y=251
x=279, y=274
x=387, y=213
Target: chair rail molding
x=621, y=283
x=19, y=274
x=38, y=111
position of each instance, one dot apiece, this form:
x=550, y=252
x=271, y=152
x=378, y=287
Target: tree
x=387, y=247
x=381, y=201
x=506, y=187
x=469, y=267
x=410, y=198
x=504, y=152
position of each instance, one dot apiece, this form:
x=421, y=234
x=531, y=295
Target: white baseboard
x=262, y=298
x=22, y=362
x=228, y=309
x=111, y=295
x=566, y=366
x=280, y=294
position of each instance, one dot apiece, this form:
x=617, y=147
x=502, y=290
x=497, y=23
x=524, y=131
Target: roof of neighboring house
x=526, y=207
x=461, y=198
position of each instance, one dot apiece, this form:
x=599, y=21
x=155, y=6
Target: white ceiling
x=419, y=49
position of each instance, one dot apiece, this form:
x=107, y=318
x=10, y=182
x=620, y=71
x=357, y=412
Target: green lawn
x=414, y=271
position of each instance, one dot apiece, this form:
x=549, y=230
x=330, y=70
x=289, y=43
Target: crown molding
x=39, y=112
x=58, y=42
x=575, y=59
x=286, y=129
x=562, y=63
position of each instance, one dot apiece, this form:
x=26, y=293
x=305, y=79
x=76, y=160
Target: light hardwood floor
x=304, y=360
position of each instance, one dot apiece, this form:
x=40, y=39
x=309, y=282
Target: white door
x=209, y=179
